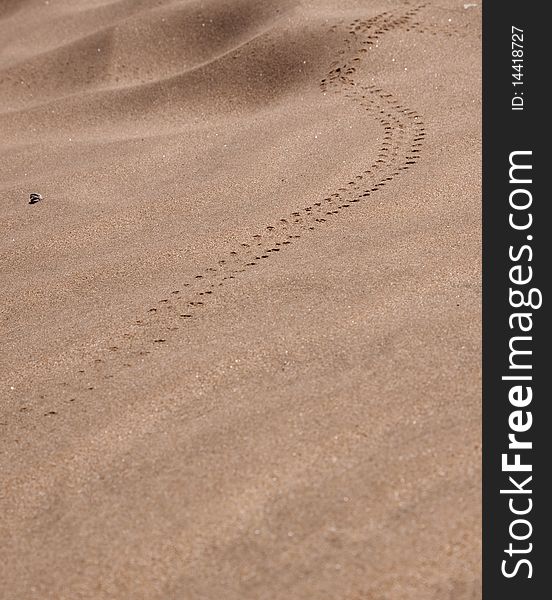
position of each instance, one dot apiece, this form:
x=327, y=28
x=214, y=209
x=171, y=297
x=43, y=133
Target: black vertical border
x=504, y=131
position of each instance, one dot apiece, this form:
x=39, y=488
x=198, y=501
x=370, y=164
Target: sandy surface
x=240, y=352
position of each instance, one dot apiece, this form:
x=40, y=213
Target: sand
x=240, y=333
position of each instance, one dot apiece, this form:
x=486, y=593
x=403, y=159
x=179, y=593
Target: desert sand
x=240, y=352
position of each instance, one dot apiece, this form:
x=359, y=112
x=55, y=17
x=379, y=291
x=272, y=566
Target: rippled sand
x=240, y=351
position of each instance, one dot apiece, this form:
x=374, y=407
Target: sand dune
x=240, y=333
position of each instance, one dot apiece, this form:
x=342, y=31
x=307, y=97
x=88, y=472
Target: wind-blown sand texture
x=240, y=333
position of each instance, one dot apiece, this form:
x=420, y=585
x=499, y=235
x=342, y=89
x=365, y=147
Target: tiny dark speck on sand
x=34, y=198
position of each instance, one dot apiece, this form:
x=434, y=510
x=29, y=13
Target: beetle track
x=403, y=136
